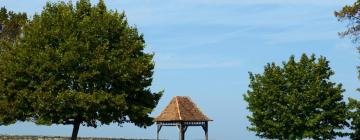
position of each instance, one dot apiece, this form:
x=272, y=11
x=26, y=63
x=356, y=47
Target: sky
x=205, y=48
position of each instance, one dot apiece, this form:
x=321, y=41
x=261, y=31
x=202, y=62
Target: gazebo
x=182, y=112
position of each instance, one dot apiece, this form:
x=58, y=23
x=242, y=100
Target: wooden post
x=205, y=127
x=182, y=130
x=158, y=131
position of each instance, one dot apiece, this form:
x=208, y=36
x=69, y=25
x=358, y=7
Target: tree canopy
x=11, y=25
x=296, y=100
x=77, y=64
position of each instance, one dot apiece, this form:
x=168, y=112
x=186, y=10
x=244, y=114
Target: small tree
x=296, y=101
x=78, y=65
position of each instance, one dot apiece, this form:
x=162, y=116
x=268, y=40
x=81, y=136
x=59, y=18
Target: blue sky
x=205, y=49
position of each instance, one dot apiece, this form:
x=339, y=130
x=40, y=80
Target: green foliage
x=296, y=101
x=11, y=25
x=78, y=64
x=351, y=14
x=354, y=114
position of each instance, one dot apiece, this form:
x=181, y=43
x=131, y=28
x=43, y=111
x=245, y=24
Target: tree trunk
x=75, y=130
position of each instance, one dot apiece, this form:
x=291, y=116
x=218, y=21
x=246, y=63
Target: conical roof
x=181, y=108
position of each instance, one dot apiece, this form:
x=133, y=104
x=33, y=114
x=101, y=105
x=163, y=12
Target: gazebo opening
x=182, y=112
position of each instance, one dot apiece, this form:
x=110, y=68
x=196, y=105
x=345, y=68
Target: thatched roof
x=181, y=108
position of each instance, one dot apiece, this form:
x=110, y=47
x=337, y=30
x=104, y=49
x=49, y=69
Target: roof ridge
x=178, y=108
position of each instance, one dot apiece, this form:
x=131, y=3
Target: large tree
x=79, y=65
x=296, y=100
x=351, y=15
